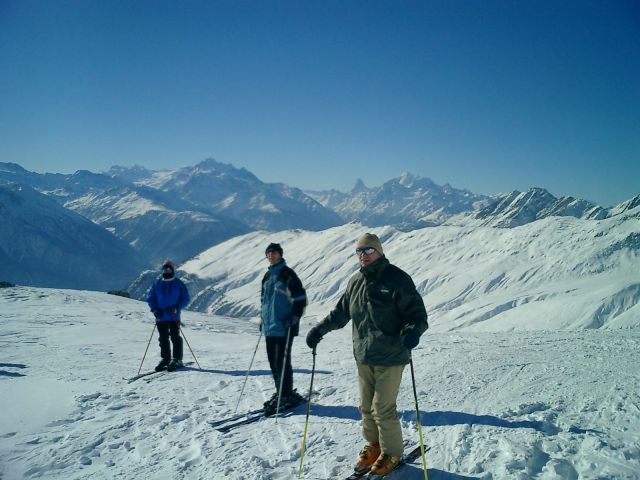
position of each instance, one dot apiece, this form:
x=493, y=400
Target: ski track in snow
x=527, y=405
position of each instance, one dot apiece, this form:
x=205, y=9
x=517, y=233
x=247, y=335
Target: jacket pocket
x=383, y=314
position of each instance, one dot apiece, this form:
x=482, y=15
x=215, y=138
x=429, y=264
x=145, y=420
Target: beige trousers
x=379, y=388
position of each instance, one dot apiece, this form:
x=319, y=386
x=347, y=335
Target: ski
x=233, y=418
x=357, y=474
x=407, y=458
x=247, y=421
x=142, y=375
x=284, y=412
x=153, y=372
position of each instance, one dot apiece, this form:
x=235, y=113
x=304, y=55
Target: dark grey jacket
x=382, y=302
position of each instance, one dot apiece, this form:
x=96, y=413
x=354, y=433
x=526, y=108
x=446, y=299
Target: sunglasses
x=167, y=269
x=368, y=251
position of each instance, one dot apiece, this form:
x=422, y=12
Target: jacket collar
x=277, y=267
x=376, y=268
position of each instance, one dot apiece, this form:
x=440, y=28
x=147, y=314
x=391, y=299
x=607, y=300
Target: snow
x=109, y=208
x=555, y=273
x=545, y=404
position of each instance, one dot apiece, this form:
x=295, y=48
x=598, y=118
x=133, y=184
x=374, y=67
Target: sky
x=486, y=95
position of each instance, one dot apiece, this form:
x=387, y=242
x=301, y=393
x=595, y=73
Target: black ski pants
x=166, y=330
x=276, y=347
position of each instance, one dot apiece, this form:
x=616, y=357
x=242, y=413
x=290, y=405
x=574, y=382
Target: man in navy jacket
x=283, y=300
x=166, y=298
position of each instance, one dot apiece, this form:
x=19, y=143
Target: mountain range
x=407, y=202
x=180, y=213
x=560, y=272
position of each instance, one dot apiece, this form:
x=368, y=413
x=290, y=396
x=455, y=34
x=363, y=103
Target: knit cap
x=370, y=240
x=274, y=247
x=170, y=264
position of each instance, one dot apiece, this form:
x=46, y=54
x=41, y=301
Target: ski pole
x=149, y=343
x=306, y=421
x=415, y=397
x=284, y=366
x=247, y=375
x=185, y=339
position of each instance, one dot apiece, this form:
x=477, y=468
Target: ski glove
x=156, y=313
x=411, y=338
x=313, y=337
x=173, y=310
x=291, y=321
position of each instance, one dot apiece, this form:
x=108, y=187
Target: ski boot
x=174, y=365
x=367, y=457
x=292, y=400
x=384, y=464
x=164, y=363
x=272, y=401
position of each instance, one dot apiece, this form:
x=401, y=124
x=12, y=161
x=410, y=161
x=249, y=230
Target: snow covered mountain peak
x=409, y=180
x=359, y=187
x=129, y=174
x=11, y=168
x=407, y=202
x=626, y=206
x=222, y=171
x=519, y=208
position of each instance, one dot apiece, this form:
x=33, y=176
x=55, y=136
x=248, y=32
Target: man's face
x=273, y=256
x=366, y=256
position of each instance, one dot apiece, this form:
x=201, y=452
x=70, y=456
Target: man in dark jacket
x=388, y=317
x=283, y=300
x=166, y=298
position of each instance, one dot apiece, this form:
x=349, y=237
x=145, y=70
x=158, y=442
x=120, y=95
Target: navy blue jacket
x=166, y=295
x=283, y=300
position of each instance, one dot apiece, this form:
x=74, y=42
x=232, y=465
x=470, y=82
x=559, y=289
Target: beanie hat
x=370, y=240
x=168, y=263
x=274, y=247
x=168, y=275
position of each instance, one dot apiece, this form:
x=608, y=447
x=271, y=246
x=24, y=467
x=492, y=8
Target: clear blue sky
x=482, y=94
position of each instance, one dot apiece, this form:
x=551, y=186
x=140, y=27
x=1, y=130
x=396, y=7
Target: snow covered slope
x=498, y=406
x=558, y=272
x=44, y=244
x=158, y=225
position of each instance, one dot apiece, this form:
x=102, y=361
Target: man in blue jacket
x=283, y=300
x=166, y=298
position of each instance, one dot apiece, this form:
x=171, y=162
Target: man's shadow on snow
x=411, y=472
x=438, y=418
x=253, y=373
x=444, y=418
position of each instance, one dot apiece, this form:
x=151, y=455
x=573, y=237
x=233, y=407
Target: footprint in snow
x=179, y=418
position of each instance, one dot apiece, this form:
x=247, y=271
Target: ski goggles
x=367, y=250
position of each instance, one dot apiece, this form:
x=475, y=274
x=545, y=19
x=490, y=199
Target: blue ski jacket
x=166, y=298
x=283, y=301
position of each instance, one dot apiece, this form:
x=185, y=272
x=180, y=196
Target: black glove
x=156, y=313
x=411, y=338
x=173, y=310
x=291, y=321
x=313, y=337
